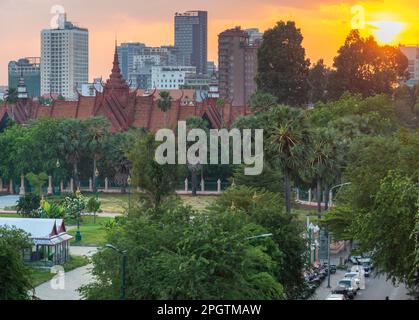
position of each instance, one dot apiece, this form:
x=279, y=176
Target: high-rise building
x=211, y=68
x=191, y=38
x=126, y=53
x=145, y=59
x=30, y=70
x=64, y=58
x=237, y=66
x=412, y=54
x=254, y=35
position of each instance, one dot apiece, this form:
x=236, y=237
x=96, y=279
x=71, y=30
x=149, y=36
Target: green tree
x=282, y=65
x=37, y=181
x=362, y=66
x=388, y=231
x=157, y=181
x=97, y=133
x=261, y=207
x=324, y=161
x=287, y=137
x=15, y=277
x=72, y=143
x=165, y=103
x=187, y=255
x=261, y=101
x=11, y=95
x=318, y=81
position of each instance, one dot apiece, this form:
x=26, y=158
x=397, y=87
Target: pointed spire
x=116, y=80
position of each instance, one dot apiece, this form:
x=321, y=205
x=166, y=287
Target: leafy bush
x=93, y=205
x=28, y=204
x=73, y=205
x=53, y=210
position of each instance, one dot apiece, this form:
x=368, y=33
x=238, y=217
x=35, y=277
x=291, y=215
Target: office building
x=237, y=66
x=170, y=77
x=30, y=70
x=191, y=38
x=412, y=54
x=126, y=53
x=64, y=59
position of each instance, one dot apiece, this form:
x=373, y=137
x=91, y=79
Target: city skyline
x=326, y=22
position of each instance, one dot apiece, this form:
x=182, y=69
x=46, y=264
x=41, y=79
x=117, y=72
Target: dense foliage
x=15, y=278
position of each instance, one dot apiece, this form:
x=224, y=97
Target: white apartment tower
x=64, y=58
x=412, y=54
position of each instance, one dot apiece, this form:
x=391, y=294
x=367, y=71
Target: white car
x=349, y=284
x=335, y=296
x=355, y=277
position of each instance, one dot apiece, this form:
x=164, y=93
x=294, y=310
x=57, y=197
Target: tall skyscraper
x=126, y=53
x=191, y=38
x=412, y=54
x=237, y=66
x=64, y=58
x=30, y=70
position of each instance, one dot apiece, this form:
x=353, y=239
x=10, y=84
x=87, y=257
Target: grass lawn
x=10, y=215
x=114, y=203
x=92, y=234
x=199, y=202
x=40, y=276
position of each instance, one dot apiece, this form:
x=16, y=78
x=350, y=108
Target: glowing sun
x=386, y=31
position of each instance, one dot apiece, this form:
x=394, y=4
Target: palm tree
x=164, y=104
x=73, y=140
x=323, y=160
x=288, y=140
x=97, y=131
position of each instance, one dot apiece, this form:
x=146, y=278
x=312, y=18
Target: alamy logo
x=219, y=147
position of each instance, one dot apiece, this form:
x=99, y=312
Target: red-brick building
x=125, y=108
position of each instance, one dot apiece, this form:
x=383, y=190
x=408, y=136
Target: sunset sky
x=324, y=23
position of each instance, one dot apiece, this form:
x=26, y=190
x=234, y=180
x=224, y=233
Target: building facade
x=30, y=70
x=237, y=69
x=170, y=77
x=126, y=53
x=412, y=54
x=125, y=108
x=191, y=38
x=64, y=59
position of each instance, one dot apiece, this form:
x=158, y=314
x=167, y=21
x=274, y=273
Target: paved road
x=71, y=281
x=376, y=288
x=7, y=201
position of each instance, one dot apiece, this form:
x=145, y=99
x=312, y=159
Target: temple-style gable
x=125, y=108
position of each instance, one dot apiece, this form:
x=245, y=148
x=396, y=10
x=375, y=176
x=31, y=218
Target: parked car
x=335, y=296
x=354, y=276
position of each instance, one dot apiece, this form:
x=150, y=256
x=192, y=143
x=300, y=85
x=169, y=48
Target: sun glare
x=386, y=32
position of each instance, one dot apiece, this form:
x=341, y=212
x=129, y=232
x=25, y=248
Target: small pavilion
x=50, y=241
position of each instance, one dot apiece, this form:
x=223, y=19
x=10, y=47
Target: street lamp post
x=129, y=181
x=78, y=233
x=96, y=187
x=123, y=254
x=58, y=165
x=328, y=260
